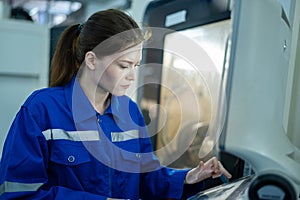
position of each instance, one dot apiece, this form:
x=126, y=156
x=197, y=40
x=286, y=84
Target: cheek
x=110, y=78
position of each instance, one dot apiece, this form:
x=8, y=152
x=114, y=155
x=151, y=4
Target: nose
x=131, y=75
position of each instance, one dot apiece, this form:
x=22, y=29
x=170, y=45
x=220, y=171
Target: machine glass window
x=193, y=64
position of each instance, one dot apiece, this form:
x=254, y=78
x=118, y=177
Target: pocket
x=131, y=156
x=126, y=161
x=69, y=153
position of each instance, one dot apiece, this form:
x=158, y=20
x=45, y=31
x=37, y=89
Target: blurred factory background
x=53, y=13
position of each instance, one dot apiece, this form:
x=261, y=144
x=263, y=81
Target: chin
x=118, y=93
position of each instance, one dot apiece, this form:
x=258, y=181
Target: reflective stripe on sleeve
x=58, y=134
x=19, y=187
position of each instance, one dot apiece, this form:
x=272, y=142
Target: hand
x=212, y=168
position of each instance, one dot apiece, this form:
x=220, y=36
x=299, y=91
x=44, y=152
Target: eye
x=124, y=66
x=137, y=65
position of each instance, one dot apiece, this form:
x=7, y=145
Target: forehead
x=133, y=53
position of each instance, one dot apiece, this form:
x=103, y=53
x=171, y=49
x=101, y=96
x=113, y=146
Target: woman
x=83, y=138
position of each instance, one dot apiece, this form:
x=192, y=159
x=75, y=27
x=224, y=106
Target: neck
x=98, y=97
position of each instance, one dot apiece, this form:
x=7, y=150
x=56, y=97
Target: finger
x=224, y=171
x=201, y=164
x=215, y=164
x=216, y=175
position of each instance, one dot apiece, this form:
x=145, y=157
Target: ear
x=90, y=60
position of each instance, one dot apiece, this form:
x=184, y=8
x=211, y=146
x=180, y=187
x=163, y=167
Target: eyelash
x=127, y=66
x=124, y=66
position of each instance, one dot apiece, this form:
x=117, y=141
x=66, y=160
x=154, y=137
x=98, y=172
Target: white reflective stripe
x=123, y=136
x=58, y=134
x=19, y=187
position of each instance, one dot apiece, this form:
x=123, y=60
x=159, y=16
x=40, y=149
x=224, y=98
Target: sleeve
x=157, y=181
x=23, y=167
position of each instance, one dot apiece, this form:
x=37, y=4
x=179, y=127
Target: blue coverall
x=59, y=147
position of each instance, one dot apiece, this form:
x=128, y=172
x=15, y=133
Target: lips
x=125, y=86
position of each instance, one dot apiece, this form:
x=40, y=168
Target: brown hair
x=78, y=39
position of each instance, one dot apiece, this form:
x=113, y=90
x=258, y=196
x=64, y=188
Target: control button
x=71, y=159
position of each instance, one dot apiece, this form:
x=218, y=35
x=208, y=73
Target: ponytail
x=64, y=64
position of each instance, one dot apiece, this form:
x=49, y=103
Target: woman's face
x=116, y=72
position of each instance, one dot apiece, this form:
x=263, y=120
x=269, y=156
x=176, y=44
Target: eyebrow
x=130, y=62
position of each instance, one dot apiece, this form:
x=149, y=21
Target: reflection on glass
x=189, y=94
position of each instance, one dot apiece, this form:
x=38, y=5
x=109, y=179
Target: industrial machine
x=237, y=90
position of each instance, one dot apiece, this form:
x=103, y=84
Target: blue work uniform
x=59, y=147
